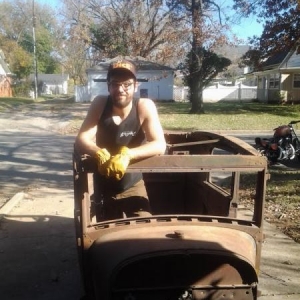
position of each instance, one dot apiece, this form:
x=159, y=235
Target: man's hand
x=117, y=165
x=102, y=156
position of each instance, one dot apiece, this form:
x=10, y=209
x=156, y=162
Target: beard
x=121, y=100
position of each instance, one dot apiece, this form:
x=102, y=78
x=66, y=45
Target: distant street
x=34, y=158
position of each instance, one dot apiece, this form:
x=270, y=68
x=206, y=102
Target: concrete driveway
x=38, y=256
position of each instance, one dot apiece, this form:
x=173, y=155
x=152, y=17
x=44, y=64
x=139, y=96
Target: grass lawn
x=14, y=102
x=227, y=116
x=218, y=116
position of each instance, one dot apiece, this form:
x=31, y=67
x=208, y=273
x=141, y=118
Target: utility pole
x=34, y=53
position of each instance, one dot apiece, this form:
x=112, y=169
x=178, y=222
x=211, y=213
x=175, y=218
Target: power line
x=34, y=53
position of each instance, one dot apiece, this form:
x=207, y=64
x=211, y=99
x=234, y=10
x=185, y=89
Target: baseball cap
x=121, y=65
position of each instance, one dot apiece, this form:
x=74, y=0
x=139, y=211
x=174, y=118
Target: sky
x=247, y=27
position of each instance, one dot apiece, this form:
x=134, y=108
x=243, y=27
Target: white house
x=279, y=78
x=53, y=83
x=155, y=81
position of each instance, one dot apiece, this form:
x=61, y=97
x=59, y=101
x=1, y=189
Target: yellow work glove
x=117, y=165
x=102, y=156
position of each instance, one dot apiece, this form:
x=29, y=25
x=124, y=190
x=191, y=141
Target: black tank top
x=112, y=136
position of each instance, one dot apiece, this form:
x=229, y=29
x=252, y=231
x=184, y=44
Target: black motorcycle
x=284, y=145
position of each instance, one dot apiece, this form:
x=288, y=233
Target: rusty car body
x=204, y=238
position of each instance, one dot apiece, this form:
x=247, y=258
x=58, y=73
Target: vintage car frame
x=199, y=243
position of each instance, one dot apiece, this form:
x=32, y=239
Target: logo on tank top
x=127, y=133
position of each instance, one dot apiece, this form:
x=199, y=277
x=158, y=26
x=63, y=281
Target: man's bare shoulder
x=147, y=107
x=98, y=102
x=146, y=101
x=100, y=99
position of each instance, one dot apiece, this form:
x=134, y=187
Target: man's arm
x=85, y=141
x=156, y=143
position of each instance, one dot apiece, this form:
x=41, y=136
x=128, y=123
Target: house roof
x=51, y=78
x=141, y=64
x=4, y=69
x=275, y=60
x=286, y=61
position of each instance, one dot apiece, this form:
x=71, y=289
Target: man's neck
x=122, y=113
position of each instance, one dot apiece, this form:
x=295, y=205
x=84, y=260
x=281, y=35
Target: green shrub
x=22, y=89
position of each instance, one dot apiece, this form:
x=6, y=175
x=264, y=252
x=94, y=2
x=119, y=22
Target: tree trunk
x=195, y=87
x=196, y=97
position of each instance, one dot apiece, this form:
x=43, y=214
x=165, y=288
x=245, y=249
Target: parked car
x=204, y=238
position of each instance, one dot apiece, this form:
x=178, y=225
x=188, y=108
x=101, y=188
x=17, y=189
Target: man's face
x=121, y=87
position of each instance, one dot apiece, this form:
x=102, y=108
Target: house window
x=296, y=82
x=274, y=81
x=144, y=93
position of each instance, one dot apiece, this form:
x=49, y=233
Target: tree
x=20, y=61
x=201, y=72
x=252, y=58
x=148, y=29
x=44, y=48
x=163, y=31
x=281, y=19
x=207, y=33
x=72, y=55
x=130, y=28
x=73, y=45
x=16, y=25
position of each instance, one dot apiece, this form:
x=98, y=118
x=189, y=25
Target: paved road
x=38, y=256
x=37, y=250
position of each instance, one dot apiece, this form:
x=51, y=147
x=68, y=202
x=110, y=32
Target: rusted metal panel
x=226, y=142
x=147, y=239
x=207, y=255
x=198, y=163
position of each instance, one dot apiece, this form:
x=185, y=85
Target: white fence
x=82, y=93
x=214, y=93
x=220, y=92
